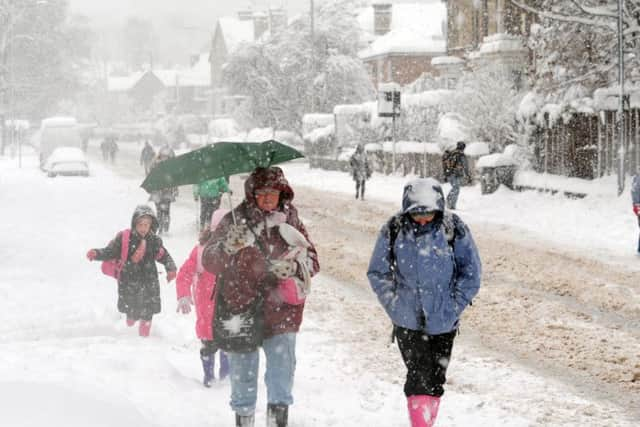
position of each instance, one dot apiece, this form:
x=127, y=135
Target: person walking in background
x=209, y=194
x=104, y=148
x=146, y=157
x=635, y=199
x=113, y=149
x=138, y=287
x=195, y=286
x=164, y=197
x=456, y=170
x=425, y=270
x=360, y=169
x=262, y=255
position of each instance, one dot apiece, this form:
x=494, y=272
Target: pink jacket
x=194, y=281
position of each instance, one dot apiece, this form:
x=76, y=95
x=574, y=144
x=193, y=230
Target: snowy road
x=530, y=352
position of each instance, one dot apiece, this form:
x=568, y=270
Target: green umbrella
x=221, y=159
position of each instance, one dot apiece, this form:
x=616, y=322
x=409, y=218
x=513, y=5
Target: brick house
x=470, y=21
x=402, y=40
x=490, y=35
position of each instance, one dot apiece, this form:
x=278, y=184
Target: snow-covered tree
x=575, y=45
x=286, y=77
x=41, y=52
x=487, y=103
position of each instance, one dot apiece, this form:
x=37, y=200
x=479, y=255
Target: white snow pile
x=501, y=42
x=415, y=28
x=320, y=133
x=446, y=60
x=476, y=149
x=510, y=157
x=316, y=120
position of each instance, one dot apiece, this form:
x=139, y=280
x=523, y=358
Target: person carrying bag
x=260, y=252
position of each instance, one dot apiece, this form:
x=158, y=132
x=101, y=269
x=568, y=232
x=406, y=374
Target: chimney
x=260, y=24
x=277, y=20
x=382, y=18
x=245, y=15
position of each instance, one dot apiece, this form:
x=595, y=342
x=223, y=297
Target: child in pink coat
x=196, y=286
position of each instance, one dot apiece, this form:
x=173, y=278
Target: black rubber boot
x=277, y=415
x=245, y=420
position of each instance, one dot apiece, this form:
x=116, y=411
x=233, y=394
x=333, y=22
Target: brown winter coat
x=245, y=273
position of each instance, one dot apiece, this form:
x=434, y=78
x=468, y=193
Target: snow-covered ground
x=67, y=358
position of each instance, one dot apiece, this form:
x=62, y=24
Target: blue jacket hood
x=423, y=193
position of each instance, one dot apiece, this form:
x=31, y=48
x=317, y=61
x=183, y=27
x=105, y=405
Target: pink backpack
x=113, y=267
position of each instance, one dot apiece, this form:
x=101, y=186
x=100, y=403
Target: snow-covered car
x=67, y=161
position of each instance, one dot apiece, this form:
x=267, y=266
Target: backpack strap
x=199, y=266
x=124, y=247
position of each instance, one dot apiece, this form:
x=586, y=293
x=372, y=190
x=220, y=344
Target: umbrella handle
x=233, y=214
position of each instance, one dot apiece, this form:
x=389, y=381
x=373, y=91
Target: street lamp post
x=313, y=54
x=621, y=121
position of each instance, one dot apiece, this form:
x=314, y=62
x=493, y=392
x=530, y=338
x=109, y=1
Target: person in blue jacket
x=425, y=270
x=635, y=199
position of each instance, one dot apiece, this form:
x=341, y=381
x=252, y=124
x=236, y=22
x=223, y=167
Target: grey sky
x=182, y=27
x=196, y=12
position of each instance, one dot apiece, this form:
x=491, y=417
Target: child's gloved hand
x=636, y=209
x=171, y=275
x=283, y=268
x=184, y=305
x=92, y=254
x=239, y=236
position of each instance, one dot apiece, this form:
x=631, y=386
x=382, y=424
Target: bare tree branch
x=564, y=18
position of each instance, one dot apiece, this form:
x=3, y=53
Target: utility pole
x=621, y=121
x=12, y=118
x=313, y=55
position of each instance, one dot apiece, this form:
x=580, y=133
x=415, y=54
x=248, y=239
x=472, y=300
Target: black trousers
x=360, y=188
x=207, y=206
x=426, y=358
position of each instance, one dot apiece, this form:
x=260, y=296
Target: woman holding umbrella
x=263, y=258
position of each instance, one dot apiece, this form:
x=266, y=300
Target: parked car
x=57, y=132
x=67, y=161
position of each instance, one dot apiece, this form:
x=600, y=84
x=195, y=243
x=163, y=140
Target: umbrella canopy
x=221, y=159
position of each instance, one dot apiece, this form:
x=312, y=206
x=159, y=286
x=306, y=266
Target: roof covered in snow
x=187, y=77
x=416, y=28
x=123, y=83
x=199, y=75
x=236, y=32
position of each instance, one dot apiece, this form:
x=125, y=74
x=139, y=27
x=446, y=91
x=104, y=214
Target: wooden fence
x=586, y=145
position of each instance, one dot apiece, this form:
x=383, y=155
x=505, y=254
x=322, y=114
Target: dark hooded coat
x=138, y=286
x=360, y=169
x=245, y=273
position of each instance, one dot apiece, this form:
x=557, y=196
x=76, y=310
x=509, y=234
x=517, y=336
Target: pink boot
x=130, y=321
x=144, y=329
x=423, y=410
